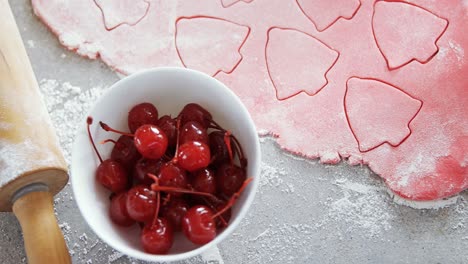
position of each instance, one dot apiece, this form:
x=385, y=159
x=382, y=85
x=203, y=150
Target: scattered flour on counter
x=280, y=241
x=370, y=207
x=459, y=221
x=271, y=176
x=67, y=105
x=115, y=256
x=289, y=188
x=84, y=238
x=65, y=227
x=359, y=208
x=31, y=44
x=358, y=187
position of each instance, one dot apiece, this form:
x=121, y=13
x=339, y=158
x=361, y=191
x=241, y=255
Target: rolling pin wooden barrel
x=32, y=167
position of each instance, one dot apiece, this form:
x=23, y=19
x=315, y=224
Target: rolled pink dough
x=379, y=83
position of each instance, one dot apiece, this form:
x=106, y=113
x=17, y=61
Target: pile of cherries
x=170, y=174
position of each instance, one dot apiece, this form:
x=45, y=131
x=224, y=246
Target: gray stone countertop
x=304, y=212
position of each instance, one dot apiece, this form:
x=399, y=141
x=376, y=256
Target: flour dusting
x=420, y=165
x=271, y=176
x=115, y=256
x=31, y=44
x=459, y=51
x=361, y=207
x=67, y=105
x=443, y=51
x=19, y=158
x=358, y=187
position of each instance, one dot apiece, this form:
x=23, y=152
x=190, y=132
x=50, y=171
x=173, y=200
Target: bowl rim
x=139, y=254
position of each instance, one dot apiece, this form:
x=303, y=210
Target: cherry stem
x=240, y=152
x=156, y=187
x=108, y=141
x=227, y=141
x=158, y=198
x=237, y=146
x=233, y=198
x=108, y=128
x=89, y=121
x=214, y=209
x=179, y=190
x=215, y=125
x=175, y=159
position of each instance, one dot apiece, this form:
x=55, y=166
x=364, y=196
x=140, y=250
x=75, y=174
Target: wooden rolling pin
x=32, y=167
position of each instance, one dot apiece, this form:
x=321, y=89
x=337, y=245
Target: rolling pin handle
x=43, y=239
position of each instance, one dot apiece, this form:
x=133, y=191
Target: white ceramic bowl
x=169, y=89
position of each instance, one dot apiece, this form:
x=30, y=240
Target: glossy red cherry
x=158, y=237
x=194, y=112
x=118, y=210
x=141, y=203
x=229, y=178
x=150, y=141
x=142, y=114
x=112, y=175
x=204, y=181
x=216, y=165
x=193, y=131
x=198, y=225
x=145, y=166
x=193, y=155
x=174, y=211
x=172, y=175
x=169, y=126
x=125, y=152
